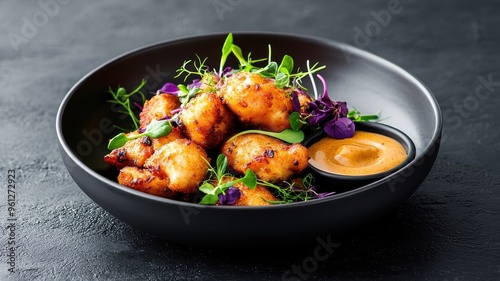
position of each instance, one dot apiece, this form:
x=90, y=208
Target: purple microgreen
x=340, y=128
x=230, y=196
x=170, y=88
x=296, y=102
x=331, y=115
x=137, y=105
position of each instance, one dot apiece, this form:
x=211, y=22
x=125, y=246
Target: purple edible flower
x=340, y=128
x=323, y=195
x=230, y=197
x=226, y=72
x=169, y=88
x=138, y=105
x=195, y=84
x=331, y=114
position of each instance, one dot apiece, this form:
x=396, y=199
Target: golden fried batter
x=254, y=197
x=257, y=102
x=158, y=107
x=269, y=158
x=206, y=120
x=304, y=101
x=161, y=141
x=144, y=180
x=251, y=197
x=182, y=162
x=133, y=153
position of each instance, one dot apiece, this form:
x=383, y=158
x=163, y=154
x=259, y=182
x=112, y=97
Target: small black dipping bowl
x=341, y=183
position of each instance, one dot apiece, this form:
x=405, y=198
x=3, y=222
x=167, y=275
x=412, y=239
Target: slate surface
x=448, y=230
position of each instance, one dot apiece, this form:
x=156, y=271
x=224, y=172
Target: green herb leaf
x=221, y=165
x=286, y=65
x=118, y=141
x=157, y=129
x=207, y=188
x=250, y=179
x=287, y=135
x=269, y=71
x=239, y=55
x=209, y=199
x=226, y=50
x=295, y=121
x=282, y=80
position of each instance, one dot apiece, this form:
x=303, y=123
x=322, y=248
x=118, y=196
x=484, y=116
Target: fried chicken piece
x=304, y=101
x=250, y=197
x=158, y=107
x=134, y=152
x=269, y=158
x=182, y=162
x=206, y=120
x=257, y=102
x=144, y=180
x=254, y=197
x=161, y=141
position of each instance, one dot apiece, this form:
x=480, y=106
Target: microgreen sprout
x=121, y=97
x=200, y=68
x=226, y=51
x=355, y=115
x=155, y=129
x=296, y=190
x=219, y=175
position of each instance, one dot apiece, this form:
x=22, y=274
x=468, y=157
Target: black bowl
x=342, y=183
x=365, y=81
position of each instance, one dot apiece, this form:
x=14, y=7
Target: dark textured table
x=448, y=230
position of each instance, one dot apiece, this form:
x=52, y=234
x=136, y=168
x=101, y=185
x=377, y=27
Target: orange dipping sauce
x=364, y=154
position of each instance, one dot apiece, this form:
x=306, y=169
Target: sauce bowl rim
x=373, y=127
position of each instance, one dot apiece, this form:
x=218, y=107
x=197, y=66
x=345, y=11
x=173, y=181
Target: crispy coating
x=269, y=158
x=254, y=197
x=304, y=101
x=161, y=141
x=135, y=152
x=251, y=197
x=144, y=180
x=182, y=162
x=158, y=107
x=257, y=102
x=206, y=120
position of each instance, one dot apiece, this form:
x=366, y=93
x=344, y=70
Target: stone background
x=448, y=230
